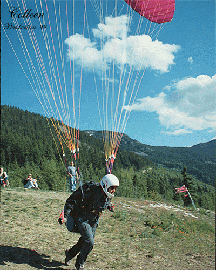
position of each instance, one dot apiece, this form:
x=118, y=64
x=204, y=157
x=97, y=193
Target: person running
x=85, y=208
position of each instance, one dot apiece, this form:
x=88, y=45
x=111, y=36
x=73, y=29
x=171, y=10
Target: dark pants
x=86, y=241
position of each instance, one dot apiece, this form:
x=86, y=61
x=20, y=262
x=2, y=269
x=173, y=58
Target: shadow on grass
x=19, y=255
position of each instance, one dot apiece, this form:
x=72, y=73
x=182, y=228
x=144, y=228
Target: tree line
x=29, y=144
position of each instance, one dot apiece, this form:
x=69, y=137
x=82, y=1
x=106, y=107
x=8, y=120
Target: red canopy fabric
x=158, y=11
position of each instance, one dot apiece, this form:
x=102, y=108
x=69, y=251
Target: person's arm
x=68, y=172
x=111, y=207
x=70, y=203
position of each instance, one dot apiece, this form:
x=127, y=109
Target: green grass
x=136, y=236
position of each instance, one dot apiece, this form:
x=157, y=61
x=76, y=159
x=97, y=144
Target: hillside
x=140, y=234
x=30, y=144
x=29, y=137
x=18, y=126
x=200, y=159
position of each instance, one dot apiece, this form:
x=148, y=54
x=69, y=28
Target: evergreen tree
x=29, y=144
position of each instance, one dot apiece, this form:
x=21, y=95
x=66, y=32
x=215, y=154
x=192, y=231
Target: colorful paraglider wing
x=158, y=11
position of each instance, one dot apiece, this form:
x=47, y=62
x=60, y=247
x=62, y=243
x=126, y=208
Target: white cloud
x=190, y=60
x=143, y=52
x=113, y=28
x=179, y=132
x=196, y=96
x=138, y=51
x=190, y=107
x=83, y=51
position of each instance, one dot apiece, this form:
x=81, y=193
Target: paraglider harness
x=78, y=203
x=71, y=203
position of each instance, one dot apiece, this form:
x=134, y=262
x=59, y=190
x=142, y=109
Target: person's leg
x=88, y=232
x=7, y=182
x=72, y=252
x=28, y=185
x=31, y=184
x=73, y=184
x=70, y=180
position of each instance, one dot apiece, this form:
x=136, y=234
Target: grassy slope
x=139, y=235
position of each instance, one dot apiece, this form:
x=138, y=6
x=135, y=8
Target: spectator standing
x=71, y=171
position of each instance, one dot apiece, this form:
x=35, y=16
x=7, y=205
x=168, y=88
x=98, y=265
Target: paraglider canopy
x=158, y=11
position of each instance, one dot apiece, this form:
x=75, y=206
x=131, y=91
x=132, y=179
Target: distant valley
x=200, y=159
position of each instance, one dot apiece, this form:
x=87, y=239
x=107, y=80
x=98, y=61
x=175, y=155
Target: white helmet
x=108, y=181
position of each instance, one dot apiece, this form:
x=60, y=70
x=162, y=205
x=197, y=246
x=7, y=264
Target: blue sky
x=171, y=79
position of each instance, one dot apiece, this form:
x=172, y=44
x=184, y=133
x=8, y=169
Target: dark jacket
x=87, y=204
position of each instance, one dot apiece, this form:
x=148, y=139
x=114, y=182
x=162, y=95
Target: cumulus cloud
x=138, y=51
x=196, y=96
x=83, y=51
x=113, y=28
x=190, y=106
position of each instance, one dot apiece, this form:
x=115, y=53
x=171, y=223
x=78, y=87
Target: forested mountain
x=200, y=159
x=29, y=138
x=29, y=144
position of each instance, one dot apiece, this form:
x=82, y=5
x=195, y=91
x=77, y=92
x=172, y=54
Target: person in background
x=71, y=171
x=29, y=182
x=4, y=178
